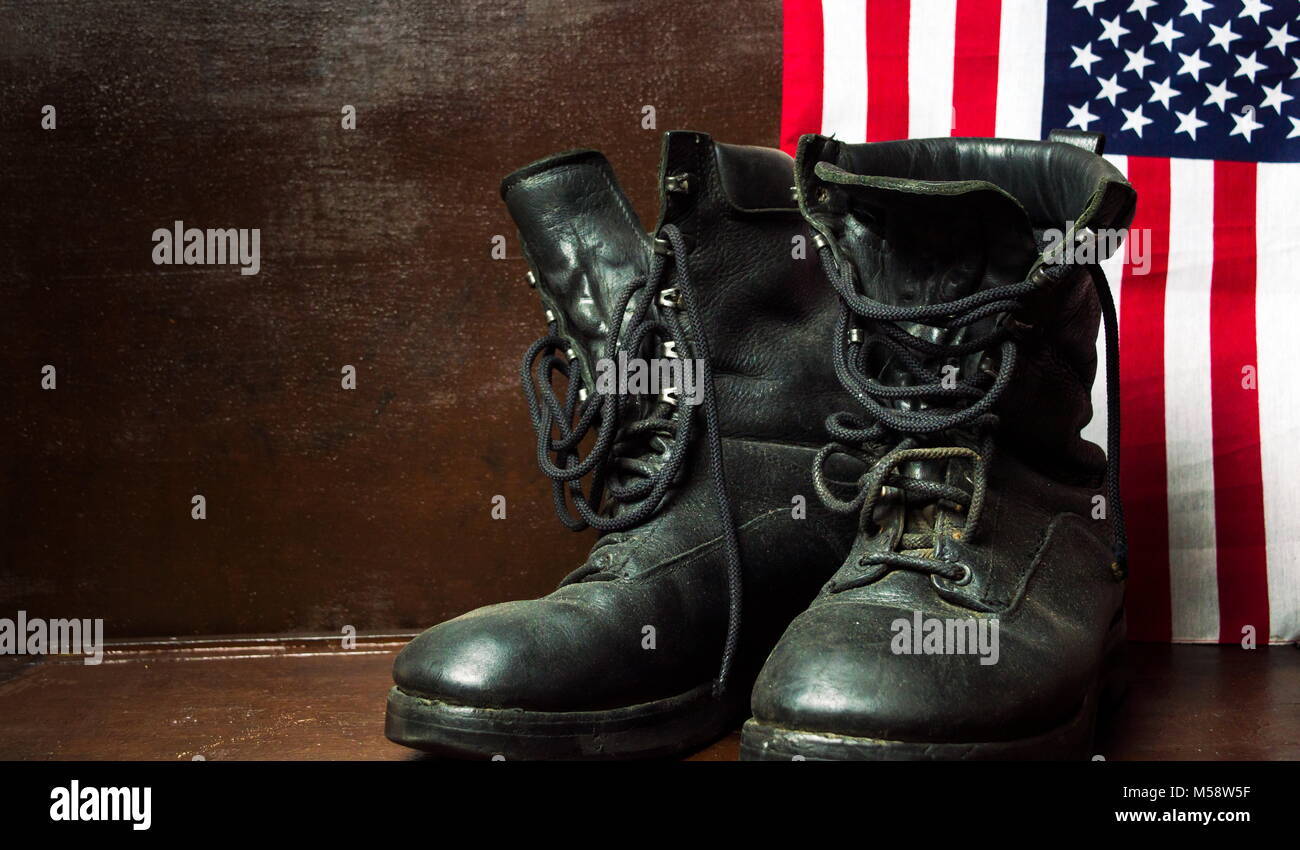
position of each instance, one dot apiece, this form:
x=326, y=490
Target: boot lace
x=961, y=412
x=637, y=454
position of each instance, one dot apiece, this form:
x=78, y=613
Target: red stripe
x=1143, y=471
x=975, y=67
x=1238, y=480
x=801, y=76
x=887, y=25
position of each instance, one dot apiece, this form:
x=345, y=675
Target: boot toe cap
x=549, y=654
x=835, y=672
x=493, y=657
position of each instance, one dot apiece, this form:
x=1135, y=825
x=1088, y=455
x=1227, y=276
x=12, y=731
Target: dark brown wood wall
x=325, y=507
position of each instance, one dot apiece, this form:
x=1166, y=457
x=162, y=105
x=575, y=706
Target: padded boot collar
x=1056, y=183
x=732, y=178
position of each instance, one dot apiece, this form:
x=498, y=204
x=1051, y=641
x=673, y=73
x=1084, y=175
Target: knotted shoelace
x=630, y=471
x=889, y=436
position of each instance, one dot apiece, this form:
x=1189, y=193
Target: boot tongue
x=922, y=242
x=916, y=242
x=584, y=242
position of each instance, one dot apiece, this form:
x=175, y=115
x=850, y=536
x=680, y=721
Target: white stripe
x=931, y=46
x=844, y=74
x=1022, y=44
x=1113, y=269
x=1189, y=427
x=1277, y=303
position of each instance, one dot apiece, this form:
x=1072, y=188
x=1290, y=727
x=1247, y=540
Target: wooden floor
x=307, y=698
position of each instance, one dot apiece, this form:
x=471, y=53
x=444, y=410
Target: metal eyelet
x=855, y=335
x=1041, y=275
x=819, y=241
x=582, y=394
x=670, y=297
x=669, y=395
x=663, y=246
x=965, y=578
x=668, y=349
x=550, y=317
x=532, y=280
x=678, y=183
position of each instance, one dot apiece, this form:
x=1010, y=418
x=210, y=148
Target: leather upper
x=766, y=310
x=767, y=318
x=1040, y=568
x=582, y=647
x=922, y=222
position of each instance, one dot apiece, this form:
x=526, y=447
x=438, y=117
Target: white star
x=1193, y=64
x=1248, y=67
x=1188, y=123
x=1162, y=93
x=1254, y=8
x=1219, y=95
x=1296, y=75
x=1223, y=36
x=1295, y=127
x=1281, y=38
x=1090, y=5
x=1141, y=6
x=1245, y=124
x=1084, y=57
x=1138, y=61
x=1275, y=97
x=1134, y=120
x=1112, y=30
x=1165, y=35
x=1110, y=89
x=1081, y=117
x=1195, y=8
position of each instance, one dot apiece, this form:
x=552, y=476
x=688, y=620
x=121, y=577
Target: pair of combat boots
x=943, y=580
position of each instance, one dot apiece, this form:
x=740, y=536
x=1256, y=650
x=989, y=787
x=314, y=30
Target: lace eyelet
x=965, y=577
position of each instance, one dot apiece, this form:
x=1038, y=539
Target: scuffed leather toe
x=576, y=650
x=834, y=671
x=531, y=655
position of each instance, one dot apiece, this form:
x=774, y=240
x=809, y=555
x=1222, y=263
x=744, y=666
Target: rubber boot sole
x=658, y=729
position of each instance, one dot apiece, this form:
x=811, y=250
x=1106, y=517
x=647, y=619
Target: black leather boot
x=982, y=603
x=650, y=648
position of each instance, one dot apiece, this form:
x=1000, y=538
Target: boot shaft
x=764, y=310
x=728, y=281
x=934, y=220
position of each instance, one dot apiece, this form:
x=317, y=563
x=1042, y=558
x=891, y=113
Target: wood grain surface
x=261, y=698
x=325, y=507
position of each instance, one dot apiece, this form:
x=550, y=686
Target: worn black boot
x=981, y=606
x=644, y=650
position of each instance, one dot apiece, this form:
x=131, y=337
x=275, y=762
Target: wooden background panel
x=325, y=507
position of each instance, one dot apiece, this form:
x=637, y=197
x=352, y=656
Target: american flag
x=1200, y=104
